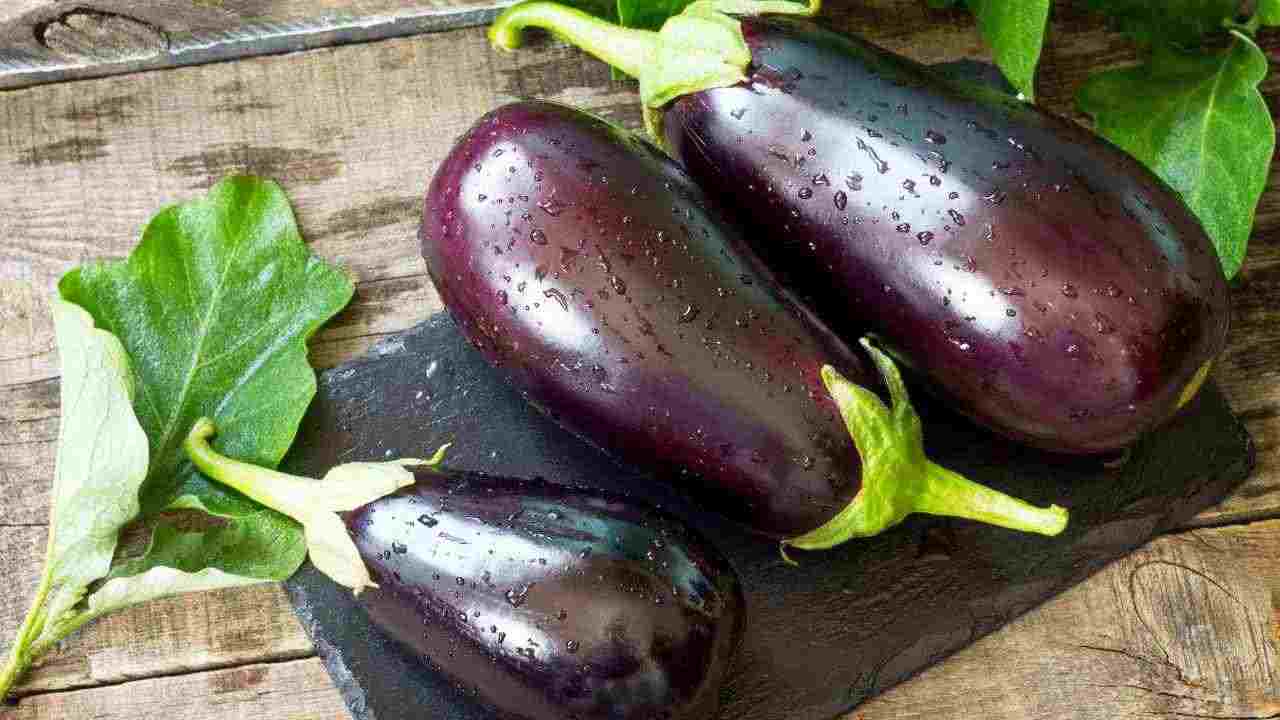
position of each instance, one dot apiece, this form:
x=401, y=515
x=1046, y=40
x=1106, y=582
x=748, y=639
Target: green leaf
x=101, y=464
x=215, y=306
x=1269, y=12
x=156, y=583
x=649, y=14
x=1015, y=31
x=1182, y=22
x=239, y=536
x=1199, y=122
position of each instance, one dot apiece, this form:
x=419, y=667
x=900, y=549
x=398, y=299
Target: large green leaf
x=1182, y=22
x=1200, y=123
x=214, y=307
x=1269, y=12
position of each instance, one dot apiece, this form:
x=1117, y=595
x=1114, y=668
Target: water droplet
x=1073, y=349
x=538, y=237
x=841, y=200
x=821, y=179
x=953, y=195
x=903, y=227
x=1069, y=290
x=882, y=167
x=995, y=197
x=854, y=182
x=956, y=217
x=428, y=520
x=618, y=285
x=399, y=548
x=737, y=114
x=806, y=136
x=934, y=137
x=517, y=595
x=1011, y=312
x=689, y=314
x=1103, y=324
x=934, y=180
x=571, y=646
x=924, y=237
x=909, y=186
x=1012, y=290
x=559, y=297
x=552, y=207
x=805, y=193
x=1112, y=291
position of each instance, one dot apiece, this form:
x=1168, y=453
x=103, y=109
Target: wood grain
x=82, y=165
x=45, y=41
x=293, y=690
x=1184, y=627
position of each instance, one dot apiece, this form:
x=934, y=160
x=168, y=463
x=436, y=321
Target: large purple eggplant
x=545, y=602
x=1045, y=282
x=585, y=264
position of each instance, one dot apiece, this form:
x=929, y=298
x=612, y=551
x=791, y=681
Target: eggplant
x=590, y=269
x=550, y=602
x=1037, y=277
x=544, y=602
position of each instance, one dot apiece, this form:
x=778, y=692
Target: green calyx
x=314, y=504
x=897, y=478
x=699, y=49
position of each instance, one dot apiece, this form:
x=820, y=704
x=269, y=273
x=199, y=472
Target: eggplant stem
x=314, y=504
x=897, y=478
x=626, y=49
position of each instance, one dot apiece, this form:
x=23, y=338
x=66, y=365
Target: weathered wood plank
x=1185, y=627
x=49, y=41
x=293, y=690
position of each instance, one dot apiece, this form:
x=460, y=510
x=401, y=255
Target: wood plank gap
x=268, y=659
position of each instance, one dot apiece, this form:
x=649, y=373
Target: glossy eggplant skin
x=585, y=264
x=551, y=603
x=1039, y=278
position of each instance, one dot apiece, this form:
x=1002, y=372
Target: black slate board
x=821, y=638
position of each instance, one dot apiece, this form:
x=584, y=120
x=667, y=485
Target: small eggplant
x=588, y=267
x=549, y=603
x=1044, y=282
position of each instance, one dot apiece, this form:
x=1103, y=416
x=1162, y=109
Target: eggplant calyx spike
x=897, y=478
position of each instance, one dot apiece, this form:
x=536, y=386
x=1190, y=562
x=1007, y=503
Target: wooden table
x=1187, y=627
